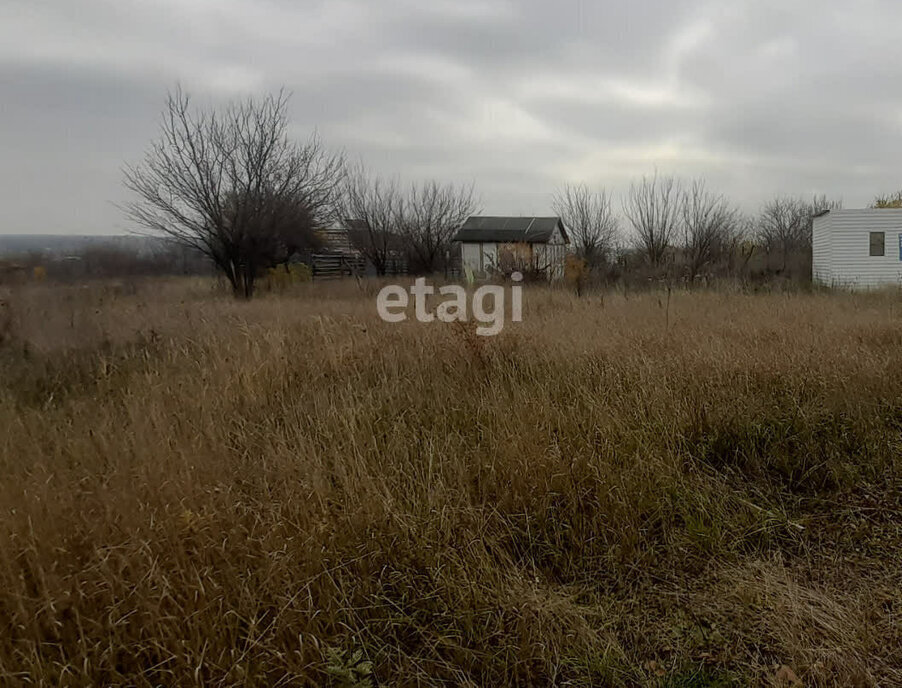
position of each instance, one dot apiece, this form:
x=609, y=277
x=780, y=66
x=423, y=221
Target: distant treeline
x=103, y=261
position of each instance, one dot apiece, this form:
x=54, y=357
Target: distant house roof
x=531, y=230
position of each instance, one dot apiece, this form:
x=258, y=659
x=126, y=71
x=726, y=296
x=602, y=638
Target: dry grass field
x=635, y=490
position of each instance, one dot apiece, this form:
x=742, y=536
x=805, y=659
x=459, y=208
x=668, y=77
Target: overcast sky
x=758, y=96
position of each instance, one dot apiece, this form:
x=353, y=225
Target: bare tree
x=652, y=208
x=232, y=185
x=430, y=215
x=708, y=224
x=785, y=224
x=742, y=244
x=372, y=209
x=781, y=226
x=817, y=206
x=589, y=217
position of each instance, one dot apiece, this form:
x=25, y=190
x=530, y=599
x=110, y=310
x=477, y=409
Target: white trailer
x=857, y=249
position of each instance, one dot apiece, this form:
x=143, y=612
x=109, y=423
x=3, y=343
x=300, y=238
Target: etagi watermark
x=392, y=303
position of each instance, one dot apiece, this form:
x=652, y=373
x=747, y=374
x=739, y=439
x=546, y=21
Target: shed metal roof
x=532, y=230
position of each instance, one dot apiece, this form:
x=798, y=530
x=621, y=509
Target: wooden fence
x=337, y=265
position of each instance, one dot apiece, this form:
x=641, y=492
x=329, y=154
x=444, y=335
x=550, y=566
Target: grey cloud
x=626, y=37
x=65, y=134
x=759, y=96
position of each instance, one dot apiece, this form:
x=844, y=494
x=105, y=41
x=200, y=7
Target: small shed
x=498, y=244
x=858, y=249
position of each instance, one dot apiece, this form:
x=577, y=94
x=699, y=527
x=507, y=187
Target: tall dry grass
x=700, y=491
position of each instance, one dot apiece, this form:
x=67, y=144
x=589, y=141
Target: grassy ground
x=628, y=491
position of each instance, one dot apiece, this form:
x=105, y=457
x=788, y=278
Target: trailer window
x=878, y=244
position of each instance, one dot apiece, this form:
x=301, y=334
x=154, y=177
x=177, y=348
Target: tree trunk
x=242, y=278
x=248, y=277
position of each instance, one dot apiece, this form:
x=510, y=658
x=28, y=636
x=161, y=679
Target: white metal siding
x=470, y=254
x=851, y=264
x=480, y=257
x=821, y=256
x=553, y=255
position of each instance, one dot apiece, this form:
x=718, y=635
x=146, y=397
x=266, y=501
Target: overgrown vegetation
x=696, y=489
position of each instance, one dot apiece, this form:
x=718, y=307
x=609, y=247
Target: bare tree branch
x=652, y=208
x=784, y=225
x=709, y=225
x=371, y=208
x=430, y=215
x=589, y=217
x=232, y=185
x=385, y=221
